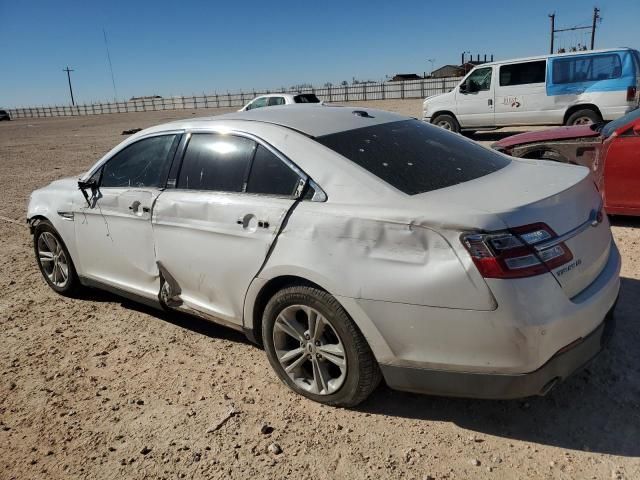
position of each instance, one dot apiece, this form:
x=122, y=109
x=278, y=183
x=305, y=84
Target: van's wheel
x=53, y=259
x=583, y=117
x=316, y=349
x=448, y=122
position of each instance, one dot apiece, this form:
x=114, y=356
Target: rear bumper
x=503, y=386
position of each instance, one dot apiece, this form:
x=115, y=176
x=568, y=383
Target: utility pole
x=552, y=17
x=554, y=30
x=596, y=16
x=68, y=70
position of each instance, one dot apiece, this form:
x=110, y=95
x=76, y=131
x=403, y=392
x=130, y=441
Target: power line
x=113, y=80
x=68, y=70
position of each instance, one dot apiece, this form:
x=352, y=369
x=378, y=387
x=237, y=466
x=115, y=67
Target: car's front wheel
x=316, y=349
x=446, y=121
x=53, y=258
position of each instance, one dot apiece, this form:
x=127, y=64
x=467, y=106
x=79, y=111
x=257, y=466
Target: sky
x=189, y=47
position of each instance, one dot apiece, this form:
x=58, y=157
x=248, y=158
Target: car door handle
x=244, y=221
x=490, y=102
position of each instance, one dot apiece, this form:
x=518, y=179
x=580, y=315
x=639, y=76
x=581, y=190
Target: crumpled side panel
x=367, y=258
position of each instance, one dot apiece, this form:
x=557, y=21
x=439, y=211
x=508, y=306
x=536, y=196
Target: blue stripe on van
x=626, y=79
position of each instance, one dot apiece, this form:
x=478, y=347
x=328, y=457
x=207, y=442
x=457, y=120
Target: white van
x=564, y=89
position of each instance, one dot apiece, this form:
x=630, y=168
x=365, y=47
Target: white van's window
x=523, y=73
x=587, y=68
x=479, y=80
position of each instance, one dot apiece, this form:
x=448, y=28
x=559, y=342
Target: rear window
x=586, y=68
x=306, y=98
x=415, y=157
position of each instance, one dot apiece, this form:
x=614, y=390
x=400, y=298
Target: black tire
x=362, y=372
x=446, y=121
x=72, y=283
x=583, y=117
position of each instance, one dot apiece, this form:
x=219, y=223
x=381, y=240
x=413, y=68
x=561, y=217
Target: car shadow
x=179, y=319
x=594, y=410
x=624, y=221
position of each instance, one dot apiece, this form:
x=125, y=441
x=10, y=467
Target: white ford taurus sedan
x=354, y=244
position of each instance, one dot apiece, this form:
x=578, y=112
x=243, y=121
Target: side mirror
x=463, y=88
x=90, y=184
x=636, y=128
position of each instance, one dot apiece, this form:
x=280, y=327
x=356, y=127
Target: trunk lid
x=562, y=196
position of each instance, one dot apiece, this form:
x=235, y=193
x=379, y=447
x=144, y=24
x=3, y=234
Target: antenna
x=113, y=80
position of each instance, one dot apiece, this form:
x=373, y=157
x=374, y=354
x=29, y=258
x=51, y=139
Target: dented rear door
x=214, y=243
x=214, y=230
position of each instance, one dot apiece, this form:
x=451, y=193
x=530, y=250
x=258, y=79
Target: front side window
x=522, y=73
x=217, y=162
x=479, y=80
x=270, y=175
x=145, y=163
x=276, y=101
x=415, y=157
x=586, y=68
x=257, y=103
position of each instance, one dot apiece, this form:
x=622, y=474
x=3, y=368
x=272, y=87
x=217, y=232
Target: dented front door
x=115, y=241
x=214, y=243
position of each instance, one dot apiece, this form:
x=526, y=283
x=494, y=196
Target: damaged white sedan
x=354, y=245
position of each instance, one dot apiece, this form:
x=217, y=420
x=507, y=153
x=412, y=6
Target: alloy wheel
x=53, y=259
x=310, y=350
x=444, y=124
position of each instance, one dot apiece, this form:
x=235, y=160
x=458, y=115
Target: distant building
x=401, y=77
x=448, y=71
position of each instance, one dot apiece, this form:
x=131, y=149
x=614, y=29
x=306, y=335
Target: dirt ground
x=99, y=387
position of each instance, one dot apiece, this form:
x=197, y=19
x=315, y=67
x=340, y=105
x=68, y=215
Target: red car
x=611, y=151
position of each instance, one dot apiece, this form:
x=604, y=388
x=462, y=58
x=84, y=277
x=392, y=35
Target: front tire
x=53, y=259
x=316, y=349
x=446, y=121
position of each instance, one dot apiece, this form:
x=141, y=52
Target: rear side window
x=276, y=101
x=522, y=73
x=270, y=175
x=216, y=162
x=586, y=68
x=306, y=98
x=145, y=163
x=415, y=157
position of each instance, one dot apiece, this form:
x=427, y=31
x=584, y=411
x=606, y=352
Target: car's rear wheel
x=448, y=122
x=583, y=117
x=316, y=349
x=53, y=259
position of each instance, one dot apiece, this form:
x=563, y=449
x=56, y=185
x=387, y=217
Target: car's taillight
x=631, y=94
x=518, y=252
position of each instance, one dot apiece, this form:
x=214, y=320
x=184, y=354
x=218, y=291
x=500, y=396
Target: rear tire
x=586, y=116
x=316, y=349
x=446, y=121
x=53, y=259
